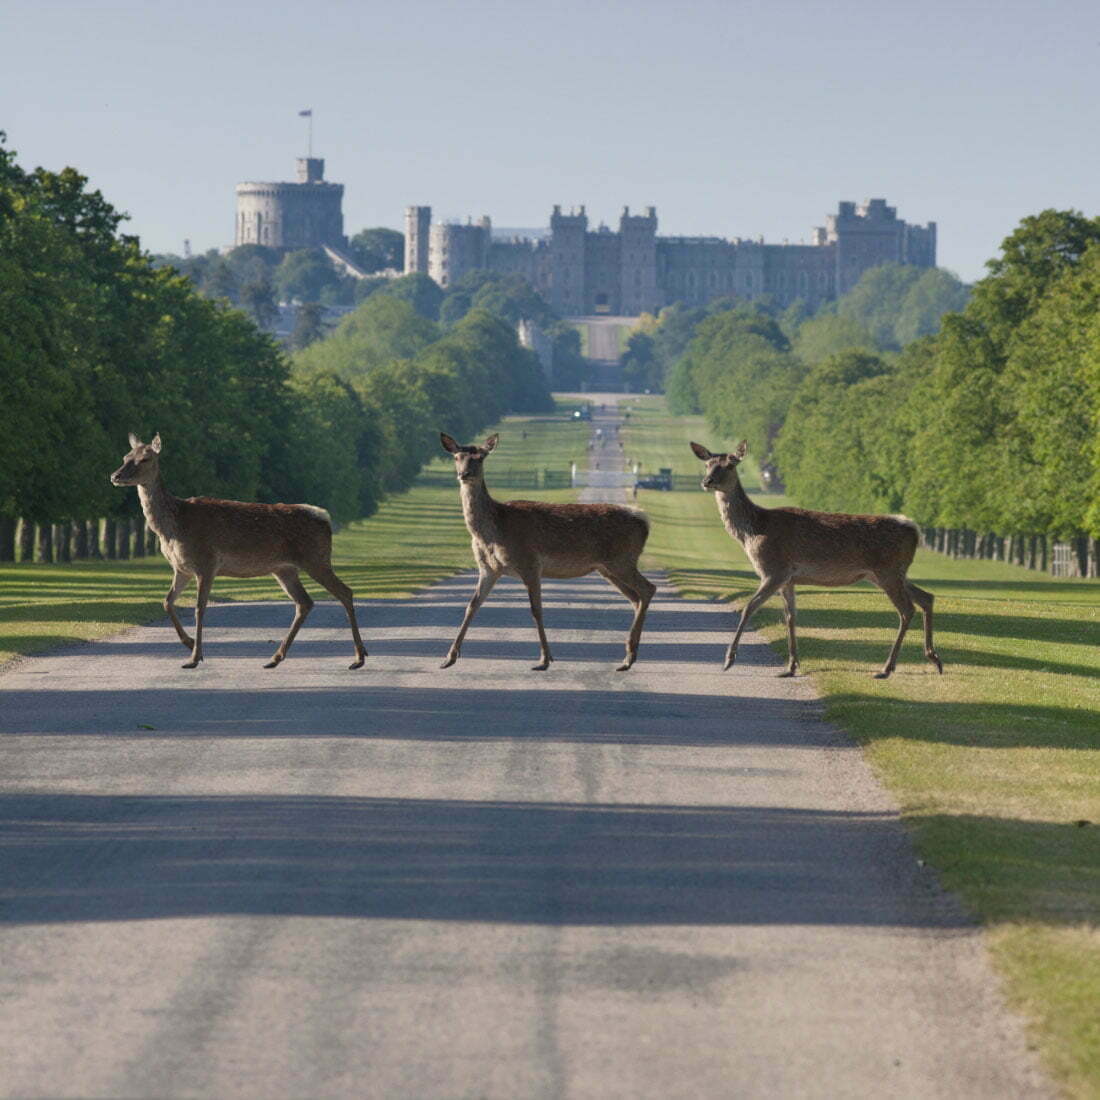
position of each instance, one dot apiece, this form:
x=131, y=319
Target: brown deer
x=789, y=546
x=531, y=540
x=206, y=538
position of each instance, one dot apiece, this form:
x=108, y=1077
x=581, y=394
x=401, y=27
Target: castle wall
x=633, y=270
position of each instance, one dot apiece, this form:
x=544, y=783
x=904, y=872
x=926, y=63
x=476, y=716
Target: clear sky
x=732, y=118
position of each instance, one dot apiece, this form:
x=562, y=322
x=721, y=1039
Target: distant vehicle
x=583, y=413
x=661, y=480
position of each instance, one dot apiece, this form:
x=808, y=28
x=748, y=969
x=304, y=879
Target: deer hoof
x=541, y=667
x=883, y=675
x=625, y=666
x=449, y=660
x=357, y=664
x=729, y=663
x=192, y=664
x=274, y=662
x=787, y=675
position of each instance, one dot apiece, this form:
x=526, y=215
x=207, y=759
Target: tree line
x=98, y=341
x=985, y=432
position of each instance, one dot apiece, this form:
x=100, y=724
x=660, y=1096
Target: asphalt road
x=478, y=882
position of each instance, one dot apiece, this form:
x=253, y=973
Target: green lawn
x=995, y=763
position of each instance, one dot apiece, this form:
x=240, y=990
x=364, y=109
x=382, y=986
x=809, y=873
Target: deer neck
x=160, y=507
x=479, y=509
x=740, y=516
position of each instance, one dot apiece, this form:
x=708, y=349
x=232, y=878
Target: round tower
x=306, y=214
x=418, y=224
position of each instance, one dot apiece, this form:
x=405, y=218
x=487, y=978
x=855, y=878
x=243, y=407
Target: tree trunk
x=109, y=538
x=44, y=552
x=26, y=540
x=64, y=539
x=122, y=536
x=139, y=537
x=1044, y=552
x=7, y=538
x=152, y=543
x=80, y=539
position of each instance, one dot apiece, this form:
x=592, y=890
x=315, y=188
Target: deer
x=534, y=539
x=203, y=538
x=789, y=546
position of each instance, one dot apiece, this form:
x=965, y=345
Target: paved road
x=483, y=882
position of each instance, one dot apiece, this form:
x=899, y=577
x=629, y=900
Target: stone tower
x=418, y=222
x=638, y=258
x=305, y=214
x=567, y=262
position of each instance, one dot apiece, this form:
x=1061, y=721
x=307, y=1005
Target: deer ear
x=155, y=443
x=741, y=450
x=491, y=442
x=134, y=441
x=449, y=444
x=701, y=451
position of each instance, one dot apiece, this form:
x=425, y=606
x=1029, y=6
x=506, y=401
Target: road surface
x=478, y=882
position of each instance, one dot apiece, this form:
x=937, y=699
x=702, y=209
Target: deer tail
x=317, y=513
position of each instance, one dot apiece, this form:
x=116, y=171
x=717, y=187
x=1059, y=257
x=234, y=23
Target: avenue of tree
x=99, y=341
x=983, y=425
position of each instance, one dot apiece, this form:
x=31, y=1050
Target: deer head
x=140, y=465
x=721, y=471
x=468, y=460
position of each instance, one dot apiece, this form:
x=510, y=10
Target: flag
x=306, y=114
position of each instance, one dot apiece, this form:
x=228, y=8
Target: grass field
x=413, y=540
x=996, y=764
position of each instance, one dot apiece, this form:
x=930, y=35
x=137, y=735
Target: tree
x=826, y=335
x=258, y=299
x=419, y=291
x=303, y=275
x=378, y=249
x=308, y=328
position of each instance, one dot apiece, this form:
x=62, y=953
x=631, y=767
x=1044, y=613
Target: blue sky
x=734, y=119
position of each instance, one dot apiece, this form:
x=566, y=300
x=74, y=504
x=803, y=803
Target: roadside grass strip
x=996, y=764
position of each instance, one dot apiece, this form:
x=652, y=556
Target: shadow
x=980, y=725
x=1025, y=627
x=873, y=653
x=1018, y=870
x=430, y=706
x=83, y=858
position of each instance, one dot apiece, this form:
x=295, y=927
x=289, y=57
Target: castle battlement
x=583, y=271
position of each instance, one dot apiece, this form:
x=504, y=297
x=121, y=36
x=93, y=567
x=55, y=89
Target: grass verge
x=995, y=764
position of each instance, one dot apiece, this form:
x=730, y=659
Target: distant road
x=603, y=335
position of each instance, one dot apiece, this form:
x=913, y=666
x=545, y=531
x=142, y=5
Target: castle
x=581, y=272
x=306, y=214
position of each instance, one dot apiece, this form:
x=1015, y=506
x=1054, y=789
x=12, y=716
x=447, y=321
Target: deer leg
x=290, y=583
x=485, y=582
x=534, y=593
x=768, y=587
x=787, y=592
x=206, y=581
x=328, y=580
x=895, y=588
x=179, y=582
x=639, y=590
x=924, y=601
